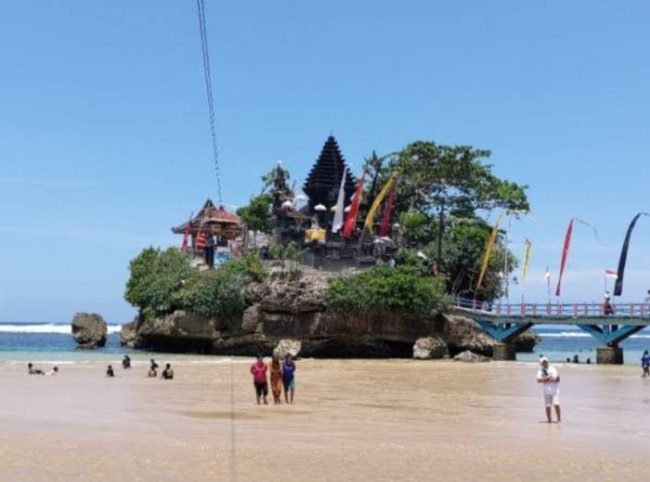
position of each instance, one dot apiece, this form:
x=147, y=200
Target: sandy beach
x=352, y=420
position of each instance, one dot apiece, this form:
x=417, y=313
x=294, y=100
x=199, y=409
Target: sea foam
x=46, y=328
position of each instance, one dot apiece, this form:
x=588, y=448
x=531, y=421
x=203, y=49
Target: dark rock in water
x=89, y=330
x=470, y=357
x=430, y=348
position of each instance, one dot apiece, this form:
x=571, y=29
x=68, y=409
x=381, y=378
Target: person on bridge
x=645, y=364
x=549, y=376
x=608, y=309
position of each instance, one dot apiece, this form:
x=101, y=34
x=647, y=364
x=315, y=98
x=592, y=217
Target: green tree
x=222, y=291
x=387, y=289
x=255, y=214
x=434, y=177
x=156, y=280
x=163, y=281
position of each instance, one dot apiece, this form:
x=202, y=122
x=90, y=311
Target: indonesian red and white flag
x=610, y=273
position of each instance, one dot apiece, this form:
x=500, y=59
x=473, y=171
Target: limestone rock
x=430, y=348
x=470, y=357
x=129, y=334
x=251, y=319
x=463, y=333
x=89, y=330
x=287, y=346
x=292, y=290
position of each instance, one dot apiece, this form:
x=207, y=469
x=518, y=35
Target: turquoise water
x=52, y=343
x=562, y=342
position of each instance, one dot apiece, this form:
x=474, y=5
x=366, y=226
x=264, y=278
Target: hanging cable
x=208, y=89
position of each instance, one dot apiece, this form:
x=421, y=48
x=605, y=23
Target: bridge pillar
x=609, y=355
x=504, y=352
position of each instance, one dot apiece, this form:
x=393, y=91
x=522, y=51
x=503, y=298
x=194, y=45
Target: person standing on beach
x=276, y=379
x=288, y=378
x=549, y=376
x=259, y=369
x=645, y=364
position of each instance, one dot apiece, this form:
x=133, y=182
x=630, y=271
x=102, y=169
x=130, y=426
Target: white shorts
x=551, y=400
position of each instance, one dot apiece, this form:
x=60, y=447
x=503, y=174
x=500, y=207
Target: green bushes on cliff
x=383, y=288
x=163, y=281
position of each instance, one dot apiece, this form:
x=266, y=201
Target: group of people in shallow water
x=167, y=373
x=282, y=376
x=37, y=371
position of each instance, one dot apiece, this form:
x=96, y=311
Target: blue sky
x=104, y=139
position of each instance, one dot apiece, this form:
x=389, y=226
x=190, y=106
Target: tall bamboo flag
x=488, y=251
x=370, y=220
x=337, y=223
x=618, y=286
x=384, y=229
x=565, y=249
x=528, y=246
x=351, y=219
x=565, y=254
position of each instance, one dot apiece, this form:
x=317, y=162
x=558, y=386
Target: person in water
x=288, y=378
x=276, y=379
x=258, y=370
x=109, y=371
x=34, y=371
x=153, y=369
x=126, y=362
x=549, y=376
x=168, y=373
x=645, y=364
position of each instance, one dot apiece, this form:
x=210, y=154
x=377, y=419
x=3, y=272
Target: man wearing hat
x=549, y=376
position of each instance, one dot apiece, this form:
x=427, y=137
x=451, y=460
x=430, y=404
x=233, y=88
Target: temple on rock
x=211, y=235
x=318, y=224
x=325, y=221
x=324, y=180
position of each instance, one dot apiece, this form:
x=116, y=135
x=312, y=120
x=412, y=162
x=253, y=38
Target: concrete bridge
x=610, y=325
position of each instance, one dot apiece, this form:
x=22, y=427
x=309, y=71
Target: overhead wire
x=208, y=88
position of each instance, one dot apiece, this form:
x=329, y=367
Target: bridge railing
x=582, y=310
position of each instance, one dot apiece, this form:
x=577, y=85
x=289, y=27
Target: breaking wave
x=46, y=328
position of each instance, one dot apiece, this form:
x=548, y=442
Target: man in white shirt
x=549, y=376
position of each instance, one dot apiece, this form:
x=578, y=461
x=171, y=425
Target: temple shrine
x=308, y=221
x=310, y=226
x=211, y=235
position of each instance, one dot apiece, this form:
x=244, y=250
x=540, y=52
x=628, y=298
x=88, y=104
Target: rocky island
x=289, y=307
x=325, y=282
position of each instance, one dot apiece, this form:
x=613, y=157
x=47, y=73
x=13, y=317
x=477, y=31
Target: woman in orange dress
x=276, y=379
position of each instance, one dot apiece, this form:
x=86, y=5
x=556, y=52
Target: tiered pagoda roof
x=324, y=180
x=208, y=216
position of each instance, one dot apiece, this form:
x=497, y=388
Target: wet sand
x=353, y=420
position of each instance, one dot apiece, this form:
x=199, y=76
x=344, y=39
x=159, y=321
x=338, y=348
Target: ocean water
x=52, y=343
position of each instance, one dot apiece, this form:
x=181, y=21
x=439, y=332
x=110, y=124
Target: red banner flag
x=186, y=235
x=351, y=220
x=384, y=229
x=565, y=254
